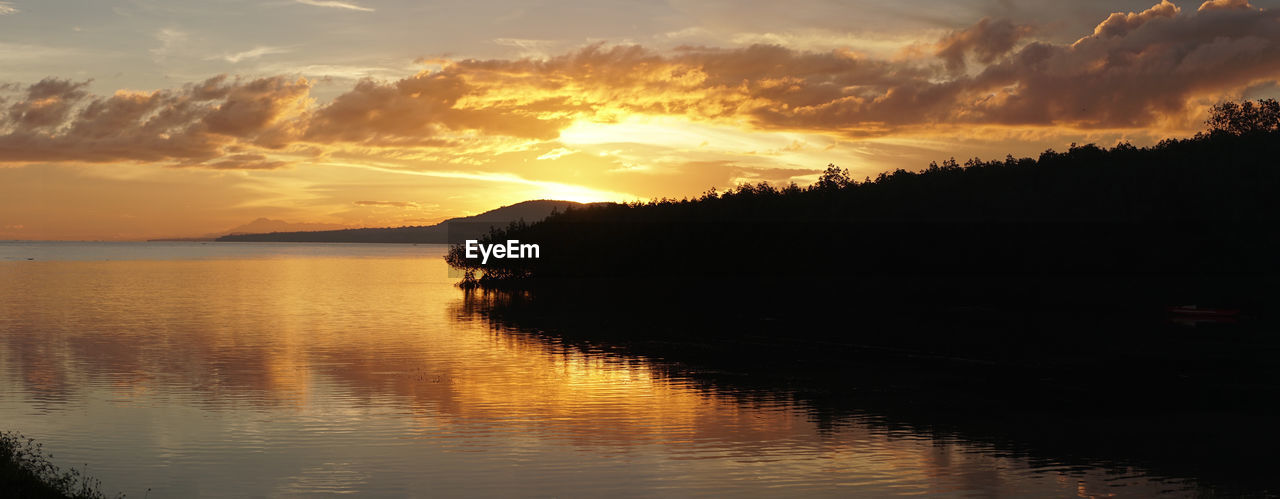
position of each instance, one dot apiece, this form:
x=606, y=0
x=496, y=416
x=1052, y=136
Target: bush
x=25, y=471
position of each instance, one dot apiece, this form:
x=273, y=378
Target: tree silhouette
x=1245, y=118
x=834, y=178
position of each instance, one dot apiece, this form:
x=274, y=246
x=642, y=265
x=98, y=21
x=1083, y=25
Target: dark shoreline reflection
x=1089, y=388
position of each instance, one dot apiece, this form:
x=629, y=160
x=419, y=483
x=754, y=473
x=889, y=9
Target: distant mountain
x=264, y=225
x=463, y=227
x=259, y=226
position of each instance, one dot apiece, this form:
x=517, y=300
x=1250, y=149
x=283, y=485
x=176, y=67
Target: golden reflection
x=275, y=328
x=335, y=338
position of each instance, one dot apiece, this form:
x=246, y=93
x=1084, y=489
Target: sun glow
x=668, y=131
x=520, y=188
x=683, y=134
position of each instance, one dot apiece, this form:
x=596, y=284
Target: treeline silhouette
x=1184, y=221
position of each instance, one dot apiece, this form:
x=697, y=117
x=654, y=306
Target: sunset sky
x=134, y=119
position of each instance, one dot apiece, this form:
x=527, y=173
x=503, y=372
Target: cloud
x=7, y=8
x=1132, y=77
x=417, y=111
x=527, y=47
x=335, y=4
x=556, y=153
x=1225, y=5
x=252, y=53
x=986, y=40
x=395, y=204
x=47, y=104
x=241, y=162
x=215, y=123
x=249, y=109
x=170, y=39
x=1121, y=23
x=1136, y=71
x=693, y=177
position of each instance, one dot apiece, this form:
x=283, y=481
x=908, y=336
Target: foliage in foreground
x=25, y=471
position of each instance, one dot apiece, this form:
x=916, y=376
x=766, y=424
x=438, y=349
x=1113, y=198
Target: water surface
x=254, y=370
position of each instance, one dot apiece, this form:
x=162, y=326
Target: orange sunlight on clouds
x=600, y=122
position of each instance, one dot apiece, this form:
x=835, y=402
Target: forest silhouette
x=1186, y=221
x=984, y=300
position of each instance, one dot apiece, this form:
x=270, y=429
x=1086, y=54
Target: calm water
x=241, y=370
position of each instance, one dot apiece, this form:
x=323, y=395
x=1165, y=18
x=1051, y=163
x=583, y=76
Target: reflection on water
x=240, y=371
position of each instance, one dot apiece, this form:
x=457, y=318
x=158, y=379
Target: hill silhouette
x=259, y=225
x=264, y=225
x=473, y=226
x=1184, y=221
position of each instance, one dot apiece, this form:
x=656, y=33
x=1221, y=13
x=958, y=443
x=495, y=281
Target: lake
x=262, y=370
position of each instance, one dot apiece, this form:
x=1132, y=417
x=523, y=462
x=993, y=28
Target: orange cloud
x=1225, y=5
x=242, y=162
x=1135, y=71
x=1121, y=23
x=418, y=109
x=1117, y=78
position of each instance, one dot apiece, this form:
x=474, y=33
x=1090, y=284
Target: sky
x=136, y=119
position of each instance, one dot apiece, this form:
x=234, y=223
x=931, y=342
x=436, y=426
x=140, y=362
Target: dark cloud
x=198, y=125
x=47, y=103
x=986, y=41
x=1131, y=80
x=249, y=109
